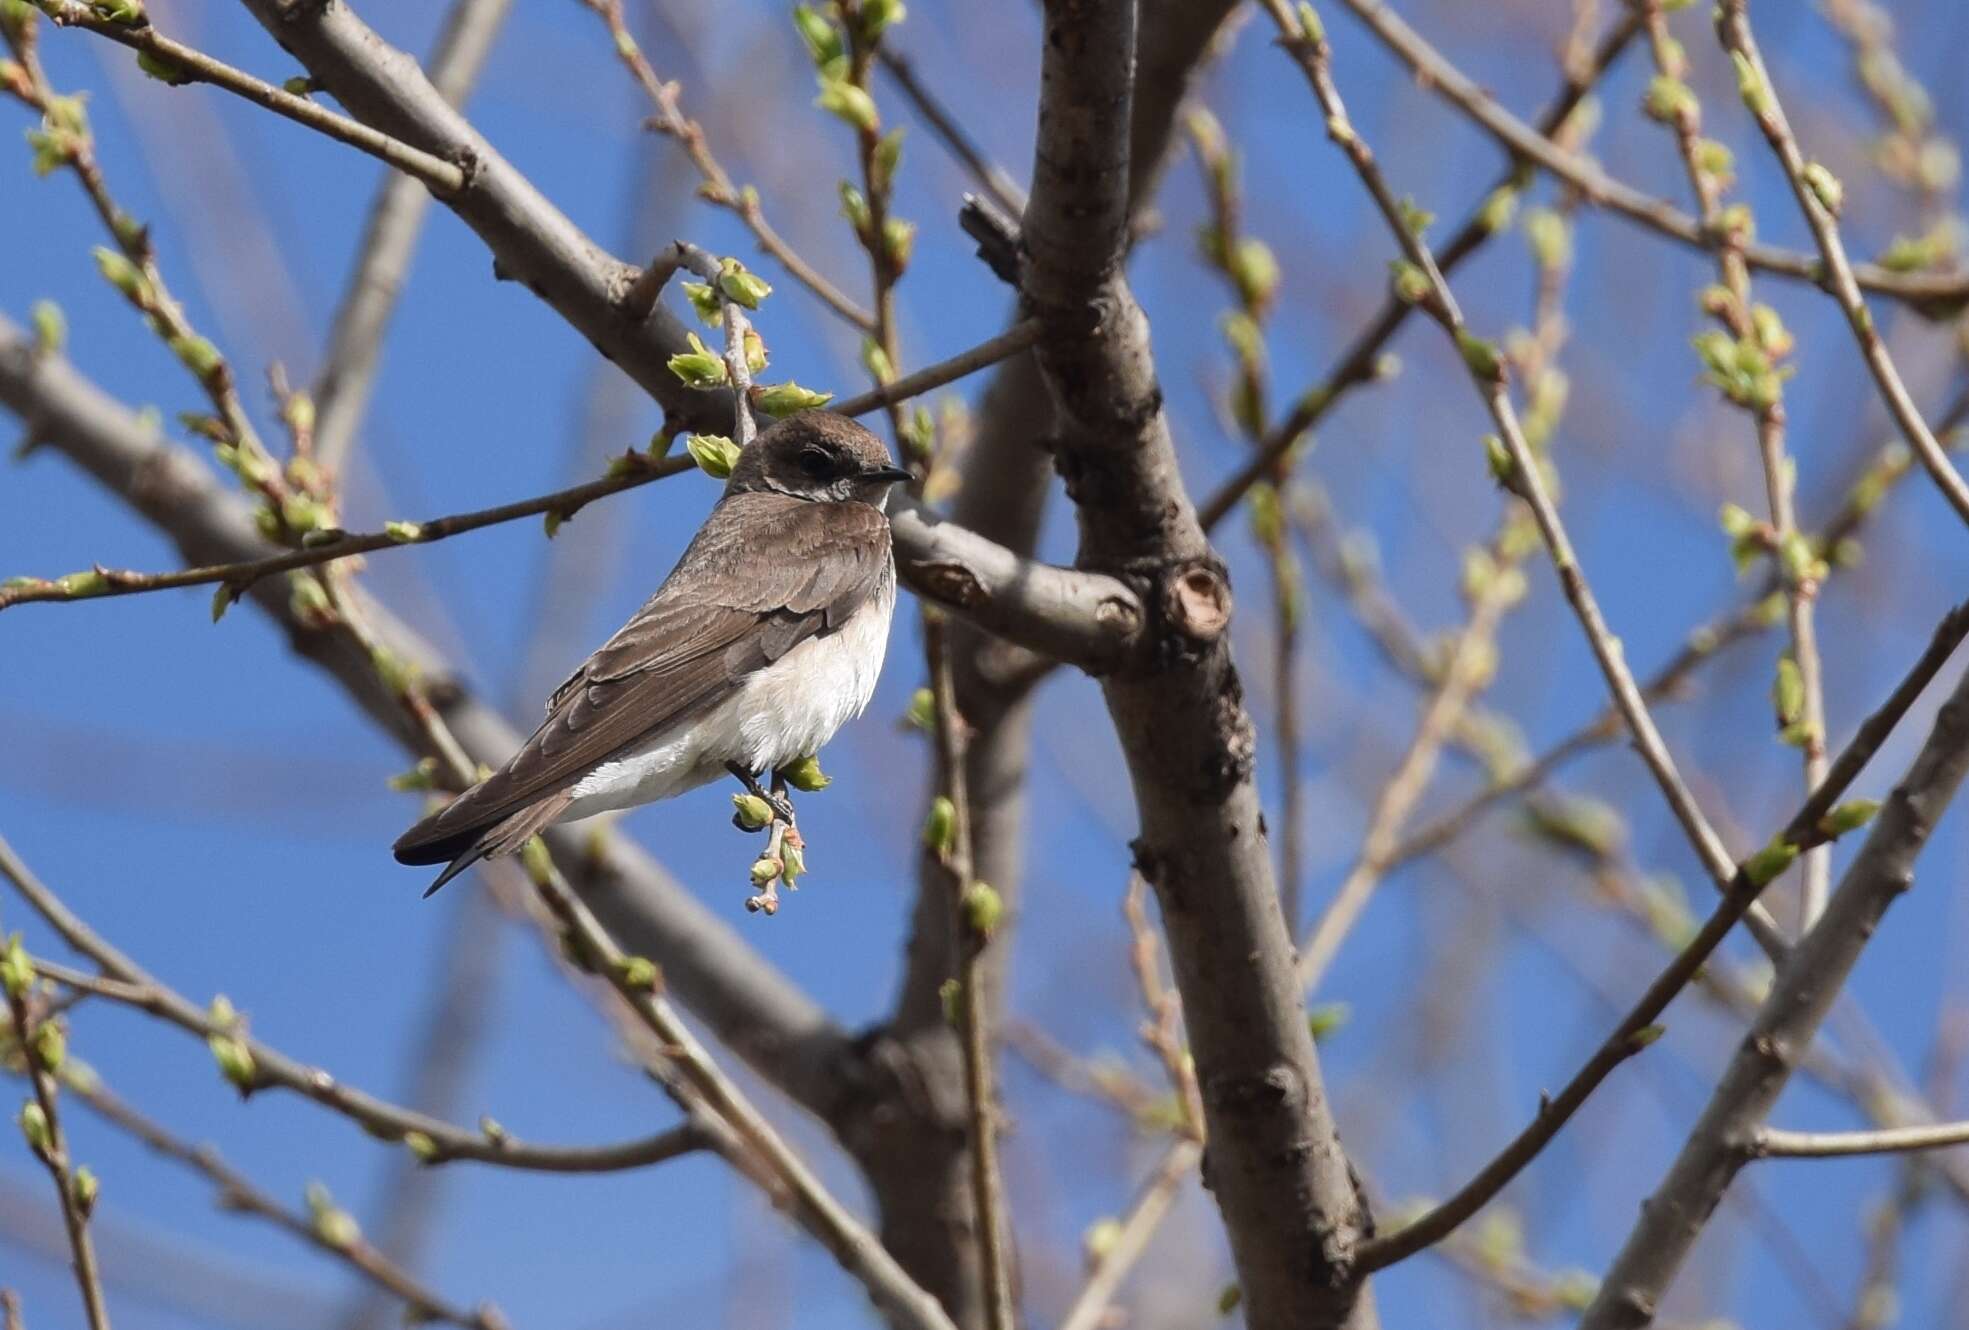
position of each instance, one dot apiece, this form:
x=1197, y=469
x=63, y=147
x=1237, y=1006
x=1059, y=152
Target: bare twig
x=718, y=188
x=1433, y=71
x=989, y=175
x=637, y=469
x=1724, y=1137
x=42, y=1047
x=1007, y=344
x=433, y=1141
x=187, y=64
x=1759, y=338
x=1760, y=95
x=1636, y=1030
x=1517, y=466
x=1462, y=674
x=975, y=916
x=1361, y=363
x=238, y=1194
x=1124, y=1247
x=389, y=238
x=1777, y=1143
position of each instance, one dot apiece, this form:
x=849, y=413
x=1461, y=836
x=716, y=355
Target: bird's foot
x=775, y=798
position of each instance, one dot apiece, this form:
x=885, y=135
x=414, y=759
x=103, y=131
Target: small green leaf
x=50, y=328
x=1481, y=356
x=789, y=398
x=34, y=1126
x=16, y=967
x=403, y=532
x=984, y=909
x=164, y=71
x=1849, y=816
x=742, y=286
x=714, y=454
x=1788, y=691
x=638, y=972
x=822, y=38
x=699, y=367
x=751, y=813
x=1825, y=187
x=1325, y=1019
x=1763, y=867
x=940, y=827
x=851, y=103
x=806, y=775
x=921, y=714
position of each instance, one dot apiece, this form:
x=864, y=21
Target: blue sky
x=221, y=811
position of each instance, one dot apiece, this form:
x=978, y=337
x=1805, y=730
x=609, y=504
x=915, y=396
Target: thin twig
x=1805, y=990
x=1434, y=72
x=1636, y=1030
x=434, y=1141
x=1519, y=468
x=1758, y=336
x=43, y=1049
x=988, y=174
x=389, y=239
x=1760, y=95
x=985, y=354
x=1361, y=362
x=635, y=470
x=974, y=914
x=1777, y=1143
x=187, y=64
x=718, y=188
x=139, y=278
x=1462, y=674
x=1125, y=1245
x=238, y=1194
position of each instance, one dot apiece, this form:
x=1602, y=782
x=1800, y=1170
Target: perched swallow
x=763, y=641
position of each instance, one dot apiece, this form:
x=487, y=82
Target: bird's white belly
x=782, y=713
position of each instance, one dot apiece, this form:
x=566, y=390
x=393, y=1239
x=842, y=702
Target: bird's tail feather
x=460, y=849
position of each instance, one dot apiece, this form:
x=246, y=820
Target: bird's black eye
x=816, y=462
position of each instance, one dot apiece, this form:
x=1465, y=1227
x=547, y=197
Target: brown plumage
x=795, y=548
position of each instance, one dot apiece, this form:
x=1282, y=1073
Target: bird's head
x=820, y=456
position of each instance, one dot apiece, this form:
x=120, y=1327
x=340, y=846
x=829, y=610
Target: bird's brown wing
x=765, y=573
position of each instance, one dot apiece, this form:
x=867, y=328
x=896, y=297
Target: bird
x=764, y=640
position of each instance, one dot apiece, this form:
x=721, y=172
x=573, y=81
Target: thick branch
x=1275, y=1165
x=532, y=241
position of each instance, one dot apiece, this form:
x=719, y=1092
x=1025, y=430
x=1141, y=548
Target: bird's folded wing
x=765, y=573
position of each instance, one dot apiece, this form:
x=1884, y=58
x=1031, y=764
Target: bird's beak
x=891, y=474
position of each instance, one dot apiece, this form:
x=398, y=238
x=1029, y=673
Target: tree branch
x=434, y=1141
x=1275, y=1165
x=187, y=64
x=1637, y=1029
x=389, y=239
x=1433, y=71
x=1724, y=1137
x=1775, y=1143
x=750, y=1004
x=238, y=1194
x=1733, y=27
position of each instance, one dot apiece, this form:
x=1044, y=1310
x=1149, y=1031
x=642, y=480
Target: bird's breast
x=794, y=706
